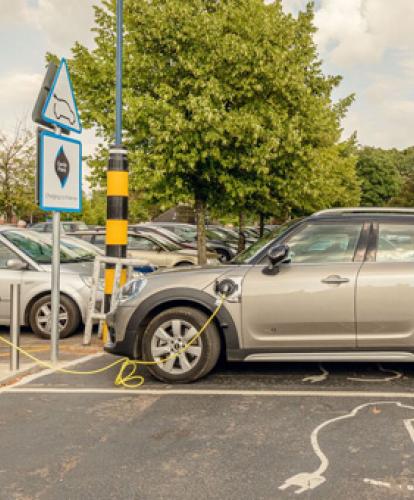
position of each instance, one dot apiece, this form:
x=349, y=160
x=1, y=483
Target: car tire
x=184, y=264
x=200, y=359
x=38, y=316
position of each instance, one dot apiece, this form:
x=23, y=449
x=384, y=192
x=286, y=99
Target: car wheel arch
x=168, y=299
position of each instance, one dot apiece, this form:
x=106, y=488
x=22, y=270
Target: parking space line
x=207, y=392
x=48, y=371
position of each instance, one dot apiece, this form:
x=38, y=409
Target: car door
x=309, y=304
x=7, y=277
x=385, y=288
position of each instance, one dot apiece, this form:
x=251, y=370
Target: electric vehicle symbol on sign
x=62, y=110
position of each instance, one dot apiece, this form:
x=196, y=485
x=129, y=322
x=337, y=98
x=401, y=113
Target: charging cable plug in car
x=229, y=289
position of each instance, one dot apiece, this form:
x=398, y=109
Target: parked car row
x=25, y=257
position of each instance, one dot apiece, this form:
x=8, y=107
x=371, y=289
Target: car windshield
x=245, y=256
x=187, y=233
x=167, y=244
x=39, y=247
x=225, y=234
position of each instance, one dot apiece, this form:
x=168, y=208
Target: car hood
x=84, y=268
x=192, y=277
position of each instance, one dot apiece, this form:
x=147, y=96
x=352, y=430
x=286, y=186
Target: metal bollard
x=14, y=325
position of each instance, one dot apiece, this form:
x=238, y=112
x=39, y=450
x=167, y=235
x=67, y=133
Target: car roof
x=374, y=213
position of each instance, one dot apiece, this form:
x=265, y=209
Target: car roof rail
x=365, y=210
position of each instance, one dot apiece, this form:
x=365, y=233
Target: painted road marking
x=384, y=484
x=317, y=378
x=305, y=481
x=325, y=374
x=26, y=379
x=396, y=375
x=207, y=392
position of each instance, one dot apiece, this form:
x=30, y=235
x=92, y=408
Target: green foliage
x=224, y=102
x=380, y=179
x=17, y=174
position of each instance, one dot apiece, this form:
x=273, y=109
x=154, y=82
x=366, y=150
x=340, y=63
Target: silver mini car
x=335, y=286
x=25, y=258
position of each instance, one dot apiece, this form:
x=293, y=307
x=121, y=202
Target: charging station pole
x=117, y=183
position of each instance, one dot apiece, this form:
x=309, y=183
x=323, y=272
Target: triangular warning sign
x=60, y=107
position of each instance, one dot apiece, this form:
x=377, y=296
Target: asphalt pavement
x=247, y=431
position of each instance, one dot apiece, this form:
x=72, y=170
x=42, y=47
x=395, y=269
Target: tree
x=379, y=176
x=17, y=173
x=225, y=104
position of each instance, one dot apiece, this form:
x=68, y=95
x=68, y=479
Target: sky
x=369, y=42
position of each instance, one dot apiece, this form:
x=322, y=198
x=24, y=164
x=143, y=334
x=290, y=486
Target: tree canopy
x=225, y=103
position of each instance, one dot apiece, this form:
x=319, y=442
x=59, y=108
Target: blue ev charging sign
x=59, y=173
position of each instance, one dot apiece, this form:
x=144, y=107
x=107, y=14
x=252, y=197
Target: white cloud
x=63, y=22
x=360, y=31
x=17, y=97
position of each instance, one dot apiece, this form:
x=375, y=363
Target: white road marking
x=207, y=392
x=48, y=371
x=325, y=374
x=396, y=375
x=384, y=484
x=305, y=481
x=410, y=428
x=317, y=378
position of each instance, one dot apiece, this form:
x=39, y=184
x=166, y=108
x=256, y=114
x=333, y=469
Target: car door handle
x=334, y=279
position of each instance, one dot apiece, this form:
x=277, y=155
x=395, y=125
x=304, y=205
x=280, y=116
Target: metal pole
x=14, y=325
x=55, y=304
x=119, y=47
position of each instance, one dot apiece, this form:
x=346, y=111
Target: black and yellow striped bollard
x=116, y=220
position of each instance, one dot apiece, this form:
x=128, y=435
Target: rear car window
x=395, y=243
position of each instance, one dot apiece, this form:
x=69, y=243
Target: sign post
x=59, y=170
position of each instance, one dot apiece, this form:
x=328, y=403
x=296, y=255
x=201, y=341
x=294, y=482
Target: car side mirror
x=16, y=265
x=276, y=255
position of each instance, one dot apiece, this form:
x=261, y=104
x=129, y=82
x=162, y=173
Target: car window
x=5, y=255
x=319, y=243
x=141, y=243
x=99, y=240
x=68, y=227
x=395, y=243
x=39, y=247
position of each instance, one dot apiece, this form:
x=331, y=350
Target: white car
x=25, y=258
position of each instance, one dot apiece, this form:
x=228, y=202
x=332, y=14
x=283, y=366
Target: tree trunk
x=261, y=224
x=201, y=230
x=242, y=238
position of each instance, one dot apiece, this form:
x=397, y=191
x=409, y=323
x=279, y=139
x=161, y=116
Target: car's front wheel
x=168, y=333
x=40, y=317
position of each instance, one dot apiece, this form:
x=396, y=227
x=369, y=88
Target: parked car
x=165, y=233
x=335, y=286
x=188, y=233
x=159, y=252
x=25, y=257
x=65, y=227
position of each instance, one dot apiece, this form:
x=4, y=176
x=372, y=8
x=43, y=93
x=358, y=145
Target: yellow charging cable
x=130, y=379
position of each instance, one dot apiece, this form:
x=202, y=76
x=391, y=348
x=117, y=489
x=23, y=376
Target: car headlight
x=131, y=289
